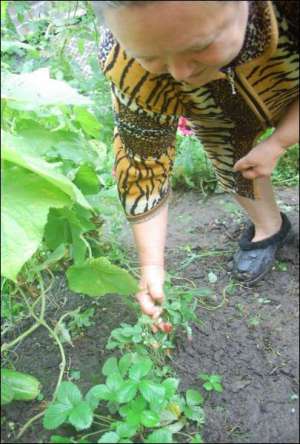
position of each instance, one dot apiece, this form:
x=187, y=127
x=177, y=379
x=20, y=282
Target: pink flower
x=184, y=127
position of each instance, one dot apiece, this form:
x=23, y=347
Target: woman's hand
x=151, y=294
x=261, y=160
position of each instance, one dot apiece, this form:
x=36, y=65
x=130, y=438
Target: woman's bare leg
x=263, y=212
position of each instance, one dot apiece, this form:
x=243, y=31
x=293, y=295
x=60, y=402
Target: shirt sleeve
x=146, y=108
x=144, y=146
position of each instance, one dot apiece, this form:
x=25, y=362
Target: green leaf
x=27, y=199
x=96, y=394
x=170, y=385
x=14, y=150
x=81, y=416
x=195, y=413
x=208, y=386
x=114, y=381
x=138, y=404
x=110, y=366
x=193, y=397
x=57, y=439
x=204, y=376
x=152, y=391
x=125, y=430
x=69, y=393
x=197, y=439
x=218, y=387
x=38, y=141
x=56, y=414
x=12, y=45
x=68, y=226
x=127, y=392
x=149, y=418
x=109, y=437
x=134, y=418
x=167, y=417
x=57, y=230
x=160, y=436
x=140, y=368
x=4, y=4
x=29, y=91
x=125, y=362
x=215, y=378
x=88, y=122
x=158, y=404
x=52, y=258
x=97, y=277
x=87, y=180
x=175, y=427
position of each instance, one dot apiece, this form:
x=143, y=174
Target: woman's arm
x=262, y=159
x=150, y=238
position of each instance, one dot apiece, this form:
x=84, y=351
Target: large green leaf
x=14, y=150
x=62, y=144
x=67, y=226
x=27, y=198
x=88, y=122
x=28, y=91
x=96, y=277
x=87, y=180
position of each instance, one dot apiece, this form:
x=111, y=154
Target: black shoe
x=254, y=259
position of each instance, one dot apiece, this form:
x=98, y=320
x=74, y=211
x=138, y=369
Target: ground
x=251, y=339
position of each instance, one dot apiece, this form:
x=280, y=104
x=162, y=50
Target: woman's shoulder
x=148, y=90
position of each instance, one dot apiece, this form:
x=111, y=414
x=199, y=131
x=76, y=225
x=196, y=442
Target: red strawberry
x=167, y=327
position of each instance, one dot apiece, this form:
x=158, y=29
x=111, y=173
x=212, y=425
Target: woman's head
x=189, y=40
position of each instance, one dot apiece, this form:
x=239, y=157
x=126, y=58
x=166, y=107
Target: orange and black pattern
x=147, y=108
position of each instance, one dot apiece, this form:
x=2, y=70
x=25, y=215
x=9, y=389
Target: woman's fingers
x=156, y=292
x=147, y=304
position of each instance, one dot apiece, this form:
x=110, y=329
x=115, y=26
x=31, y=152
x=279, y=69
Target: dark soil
x=251, y=340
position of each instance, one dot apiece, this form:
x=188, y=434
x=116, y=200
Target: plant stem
x=104, y=418
x=94, y=433
x=28, y=424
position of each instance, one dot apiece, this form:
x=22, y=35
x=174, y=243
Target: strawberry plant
x=138, y=400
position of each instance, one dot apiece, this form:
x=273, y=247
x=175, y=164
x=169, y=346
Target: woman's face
x=190, y=40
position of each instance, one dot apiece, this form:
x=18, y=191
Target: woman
x=231, y=69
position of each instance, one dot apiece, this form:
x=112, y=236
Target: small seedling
x=280, y=266
x=212, y=382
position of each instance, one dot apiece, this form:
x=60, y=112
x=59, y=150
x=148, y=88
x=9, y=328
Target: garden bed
x=249, y=336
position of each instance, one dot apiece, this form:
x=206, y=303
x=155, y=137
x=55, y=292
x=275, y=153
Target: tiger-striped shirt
x=147, y=108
